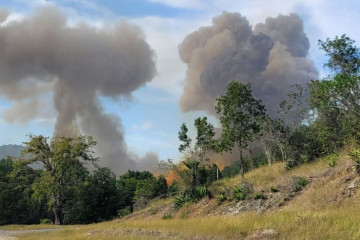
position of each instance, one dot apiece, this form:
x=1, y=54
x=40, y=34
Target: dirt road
x=11, y=235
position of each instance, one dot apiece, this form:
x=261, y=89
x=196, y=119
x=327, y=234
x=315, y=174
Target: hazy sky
x=151, y=116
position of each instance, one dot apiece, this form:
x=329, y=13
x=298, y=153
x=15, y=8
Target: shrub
x=167, y=216
x=355, y=155
x=123, y=212
x=331, y=159
x=182, y=200
x=301, y=183
x=240, y=193
x=199, y=192
x=259, y=195
x=221, y=198
x=274, y=189
x=291, y=164
x=45, y=221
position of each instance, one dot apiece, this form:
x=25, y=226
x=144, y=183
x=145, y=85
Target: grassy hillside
x=326, y=208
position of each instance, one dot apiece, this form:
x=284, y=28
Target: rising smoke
x=271, y=56
x=43, y=53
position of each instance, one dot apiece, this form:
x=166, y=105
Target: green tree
x=335, y=100
x=97, y=199
x=343, y=87
x=63, y=160
x=274, y=134
x=134, y=184
x=240, y=117
x=16, y=203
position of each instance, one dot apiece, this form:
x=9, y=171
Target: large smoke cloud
x=42, y=53
x=271, y=56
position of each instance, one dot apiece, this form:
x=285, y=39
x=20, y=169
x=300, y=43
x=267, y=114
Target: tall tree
x=273, y=134
x=63, y=160
x=343, y=86
x=195, y=157
x=240, y=117
x=335, y=100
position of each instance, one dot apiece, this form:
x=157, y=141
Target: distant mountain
x=10, y=150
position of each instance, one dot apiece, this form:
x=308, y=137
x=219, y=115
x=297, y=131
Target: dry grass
x=316, y=213
x=337, y=223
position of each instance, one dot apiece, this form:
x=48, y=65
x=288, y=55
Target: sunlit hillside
x=328, y=207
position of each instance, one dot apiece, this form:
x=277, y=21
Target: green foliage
x=182, y=200
x=45, y=221
x=63, y=160
x=199, y=192
x=301, y=183
x=97, y=199
x=134, y=185
x=235, y=167
x=17, y=206
x=240, y=116
x=174, y=188
x=355, y=155
x=274, y=189
x=240, y=193
x=124, y=212
x=221, y=198
x=167, y=216
x=259, y=195
x=335, y=101
x=331, y=159
x=343, y=55
x=305, y=146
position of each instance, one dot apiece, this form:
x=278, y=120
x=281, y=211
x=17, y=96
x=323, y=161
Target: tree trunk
x=268, y=155
x=251, y=159
x=58, y=211
x=283, y=154
x=241, y=161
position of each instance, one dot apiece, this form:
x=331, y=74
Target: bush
x=240, y=193
x=355, y=155
x=291, y=164
x=259, y=195
x=301, y=183
x=123, y=212
x=199, y=192
x=45, y=221
x=331, y=159
x=182, y=200
x=167, y=216
x=221, y=198
x=274, y=189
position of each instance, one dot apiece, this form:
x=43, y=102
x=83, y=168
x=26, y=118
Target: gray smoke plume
x=42, y=53
x=272, y=57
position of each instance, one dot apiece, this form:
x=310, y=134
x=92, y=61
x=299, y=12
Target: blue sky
x=151, y=118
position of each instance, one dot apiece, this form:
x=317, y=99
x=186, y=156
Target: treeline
x=65, y=191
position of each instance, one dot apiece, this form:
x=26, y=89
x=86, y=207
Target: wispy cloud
x=144, y=126
x=188, y=4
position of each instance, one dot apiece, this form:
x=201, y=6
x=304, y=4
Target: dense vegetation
x=314, y=121
x=65, y=191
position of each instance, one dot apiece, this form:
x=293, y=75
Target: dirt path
x=11, y=235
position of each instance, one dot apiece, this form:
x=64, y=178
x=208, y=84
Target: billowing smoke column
x=271, y=56
x=42, y=53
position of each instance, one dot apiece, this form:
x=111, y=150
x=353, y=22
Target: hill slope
x=10, y=150
x=328, y=207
